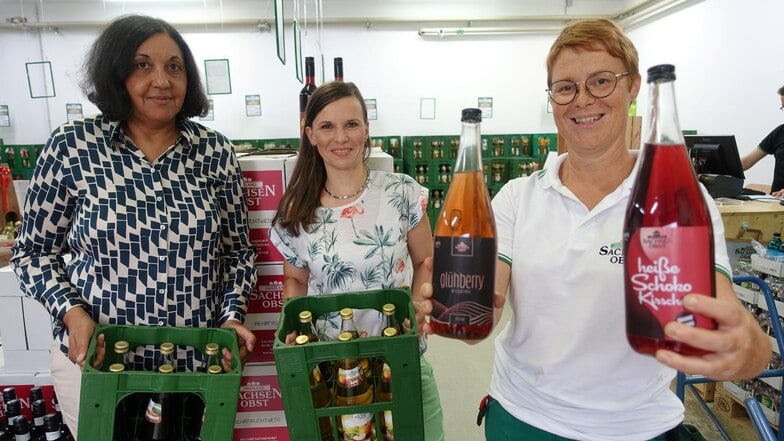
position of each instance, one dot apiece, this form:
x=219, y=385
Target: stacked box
x=400, y=352
x=264, y=305
x=102, y=391
x=260, y=408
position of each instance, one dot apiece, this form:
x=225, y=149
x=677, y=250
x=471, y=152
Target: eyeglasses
x=599, y=85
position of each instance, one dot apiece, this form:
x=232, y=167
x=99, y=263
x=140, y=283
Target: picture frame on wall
x=40, y=80
x=218, y=76
x=280, y=31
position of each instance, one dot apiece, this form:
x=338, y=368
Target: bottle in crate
x=319, y=391
x=194, y=408
x=464, y=245
x=384, y=387
x=120, y=353
x=38, y=408
x=347, y=325
x=22, y=429
x=668, y=234
x=353, y=388
x=212, y=353
x=161, y=414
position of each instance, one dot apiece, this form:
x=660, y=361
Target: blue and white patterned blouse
x=152, y=243
x=359, y=246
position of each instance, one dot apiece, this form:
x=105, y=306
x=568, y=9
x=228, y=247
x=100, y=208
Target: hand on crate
x=80, y=330
x=740, y=349
x=246, y=341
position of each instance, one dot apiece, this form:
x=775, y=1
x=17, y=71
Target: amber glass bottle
x=465, y=249
x=352, y=388
x=320, y=394
x=668, y=234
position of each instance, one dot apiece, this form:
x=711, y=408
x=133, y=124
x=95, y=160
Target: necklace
x=348, y=196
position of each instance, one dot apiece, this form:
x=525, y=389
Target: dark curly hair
x=110, y=60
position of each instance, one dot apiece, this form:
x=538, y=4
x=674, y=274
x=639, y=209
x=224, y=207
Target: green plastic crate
x=102, y=391
x=293, y=365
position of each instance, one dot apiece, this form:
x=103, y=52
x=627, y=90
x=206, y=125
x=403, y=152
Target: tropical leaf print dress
x=359, y=246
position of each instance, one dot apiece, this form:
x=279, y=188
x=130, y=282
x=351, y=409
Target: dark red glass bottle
x=307, y=91
x=338, y=62
x=668, y=234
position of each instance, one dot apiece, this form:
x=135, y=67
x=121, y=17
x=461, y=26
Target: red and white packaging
x=264, y=181
x=264, y=306
x=260, y=415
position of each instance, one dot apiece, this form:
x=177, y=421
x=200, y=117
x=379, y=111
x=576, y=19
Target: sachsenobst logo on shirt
x=614, y=252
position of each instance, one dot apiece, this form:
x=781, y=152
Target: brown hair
x=598, y=34
x=297, y=207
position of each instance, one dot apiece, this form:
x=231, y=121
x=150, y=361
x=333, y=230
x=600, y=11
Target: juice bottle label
x=463, y=284
x=357, y=427
x=664, y=264
x=153, y=412
x=351, y=377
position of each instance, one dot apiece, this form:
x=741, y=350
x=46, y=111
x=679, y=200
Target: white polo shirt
x=563, y=363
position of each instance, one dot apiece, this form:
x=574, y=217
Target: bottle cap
x=117, y=367
x=346, y=313
x=167, y=348
x=388, y=308
x=21, y=426
x=39, y=407
x=211, y=349
x=305, y=316
x=472, y=114
x=301, y=339
x=661, y=72
x=166, y=369
x=345, y=336
x=121, y=346
x=51, y=422
x=390, y=332
x=214, y=369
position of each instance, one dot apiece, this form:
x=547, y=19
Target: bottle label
x=463, y=280
x=664, y=264
x=53, y=436
x=154, y=412
x=357, y=427
x=22, y=437
x=351, y=377
x=388, y=426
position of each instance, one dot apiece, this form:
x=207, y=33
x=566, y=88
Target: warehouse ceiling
x=509, y=15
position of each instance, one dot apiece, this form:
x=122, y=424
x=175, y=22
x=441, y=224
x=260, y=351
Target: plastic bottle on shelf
x=774, y=248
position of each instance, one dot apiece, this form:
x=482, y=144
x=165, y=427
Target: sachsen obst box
x=401, y=353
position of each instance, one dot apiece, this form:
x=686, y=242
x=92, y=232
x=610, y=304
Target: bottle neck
x=663, y=127
x=310, y=72
x=469, y=153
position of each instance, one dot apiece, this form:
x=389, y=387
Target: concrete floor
x=463, y=372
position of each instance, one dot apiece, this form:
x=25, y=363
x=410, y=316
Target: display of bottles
x=464, y=245
x=668, y=235
x=39, y=412
x=319, y=391
x=161, y=414
x=353, y=388
x=338, y=62
x=22, y=429
x=390, y=321
x=52, y=428
x=120, y=353
x=384, y=388
x=307, y=91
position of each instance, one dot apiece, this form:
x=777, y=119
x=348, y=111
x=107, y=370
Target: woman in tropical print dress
x=344, y=228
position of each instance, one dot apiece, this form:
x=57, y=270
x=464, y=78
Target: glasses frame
x=577, y=88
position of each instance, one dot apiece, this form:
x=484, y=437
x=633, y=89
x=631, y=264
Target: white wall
x=726, y=54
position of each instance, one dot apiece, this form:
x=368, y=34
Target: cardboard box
x=264, y=180
x=26, y=361
x=767, y=266
x=725, y=404
x=37, y=325
x=264, y=305
x=12, y=324
x=260, y=415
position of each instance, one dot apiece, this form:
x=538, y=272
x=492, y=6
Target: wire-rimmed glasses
x=599, y=85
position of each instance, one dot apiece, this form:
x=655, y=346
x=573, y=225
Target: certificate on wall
x=485, y=104
x=252, y=105
x=5, y=116
x=427, y=108
x=73, y=111
x=372, y=109
x=218, y=76
x=210, y=116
